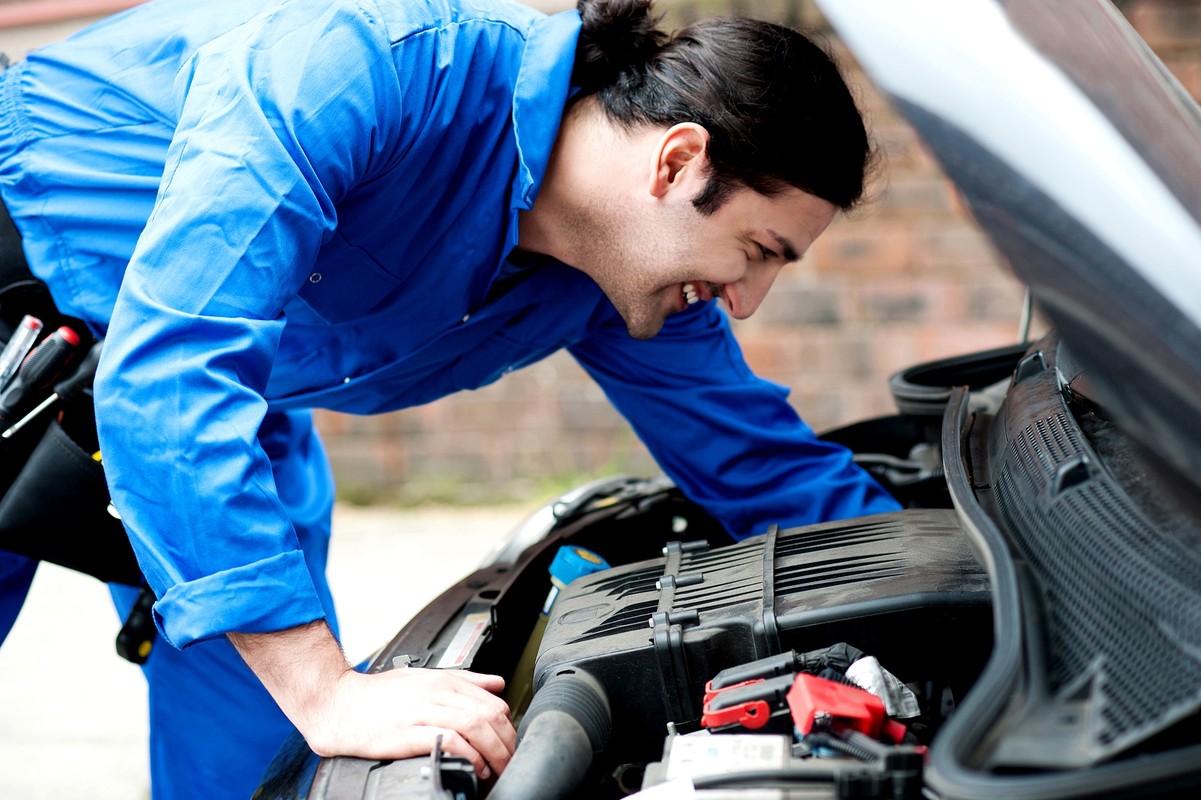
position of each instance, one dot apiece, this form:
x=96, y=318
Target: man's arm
x=729, y=439
x=393, y=714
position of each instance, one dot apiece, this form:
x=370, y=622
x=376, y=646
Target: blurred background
x=424, y=492
x=906, y=279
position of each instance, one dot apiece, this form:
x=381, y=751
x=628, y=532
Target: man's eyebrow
x=783, y=245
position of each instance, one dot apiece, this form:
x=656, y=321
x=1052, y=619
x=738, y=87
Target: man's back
x=371, y=120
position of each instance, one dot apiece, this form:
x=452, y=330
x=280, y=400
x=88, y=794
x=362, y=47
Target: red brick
x=801, y=303
x=940, y=343
x=838, y=354
x=1166, y=24
x=917, y=196
x=771, y=356
x=995, y=300
x=893, y=300
x=956, y=246
x=895, y=347
x=855, y=246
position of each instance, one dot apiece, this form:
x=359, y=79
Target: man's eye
x=767, y=253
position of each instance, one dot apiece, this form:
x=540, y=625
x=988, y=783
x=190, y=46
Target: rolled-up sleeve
x=277, y=121
x=729, y=439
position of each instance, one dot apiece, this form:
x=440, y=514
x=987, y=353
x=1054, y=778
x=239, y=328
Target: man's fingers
x=399, y=713
x=479, y=717
x=492, y=683
x=480, y=744
x=481, y=739
x=470, y=691
x=426, y=739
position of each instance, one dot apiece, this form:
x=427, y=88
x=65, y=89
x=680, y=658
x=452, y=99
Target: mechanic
x=269, y=206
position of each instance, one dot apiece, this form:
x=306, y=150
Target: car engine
x=966, y=643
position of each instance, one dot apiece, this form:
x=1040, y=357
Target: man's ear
x=681, y=159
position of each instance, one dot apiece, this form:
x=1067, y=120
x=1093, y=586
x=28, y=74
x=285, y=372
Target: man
x=266, y=206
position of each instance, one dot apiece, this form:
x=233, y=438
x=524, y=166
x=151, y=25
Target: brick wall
x=905, y=280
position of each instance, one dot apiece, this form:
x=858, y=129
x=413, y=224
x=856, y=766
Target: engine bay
x=924, y=652
x=904, y=588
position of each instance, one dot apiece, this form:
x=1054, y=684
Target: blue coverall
x=266, y=207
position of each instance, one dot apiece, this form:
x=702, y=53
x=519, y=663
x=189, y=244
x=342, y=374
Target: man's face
x=653, y=265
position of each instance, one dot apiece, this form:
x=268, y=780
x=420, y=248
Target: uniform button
x=465, y=317
x=315, y=277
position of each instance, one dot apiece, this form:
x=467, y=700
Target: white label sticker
x=693, y=756
x=470, y=630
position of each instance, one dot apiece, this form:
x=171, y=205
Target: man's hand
x=394, y=714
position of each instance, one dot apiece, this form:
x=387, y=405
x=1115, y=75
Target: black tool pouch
x=54, y=503
x=56, y=508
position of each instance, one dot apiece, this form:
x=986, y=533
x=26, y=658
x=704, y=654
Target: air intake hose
x=568, y=720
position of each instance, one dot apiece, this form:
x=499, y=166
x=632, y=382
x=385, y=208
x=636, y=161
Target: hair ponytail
x=617, y=37
x=774, y=102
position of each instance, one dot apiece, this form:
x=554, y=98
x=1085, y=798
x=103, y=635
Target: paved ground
x=72, y=713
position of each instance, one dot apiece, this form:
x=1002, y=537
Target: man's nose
x=744, y=296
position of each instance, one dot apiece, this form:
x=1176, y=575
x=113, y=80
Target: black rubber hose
x=568, y=720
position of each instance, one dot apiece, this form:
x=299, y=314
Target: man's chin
x=644, y=329
x=643, y=320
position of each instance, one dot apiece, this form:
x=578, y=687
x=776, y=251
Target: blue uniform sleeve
x=729, y=439
x=278, y=120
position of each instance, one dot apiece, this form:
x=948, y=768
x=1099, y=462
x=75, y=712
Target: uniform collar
x=540, y=94
x=542, y=90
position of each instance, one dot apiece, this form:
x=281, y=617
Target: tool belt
x=54, y=502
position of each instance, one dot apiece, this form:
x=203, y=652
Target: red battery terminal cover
x=737, y=704
x=845, y=707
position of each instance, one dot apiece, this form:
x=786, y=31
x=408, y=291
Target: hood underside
x=1080, y=156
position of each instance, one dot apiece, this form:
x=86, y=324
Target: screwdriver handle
x=18, y=346
x=39, y=370
x=81, y=377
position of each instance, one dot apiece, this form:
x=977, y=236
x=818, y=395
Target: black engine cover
x=903, y=587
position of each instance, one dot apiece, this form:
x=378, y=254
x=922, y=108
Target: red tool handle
x=38, y=372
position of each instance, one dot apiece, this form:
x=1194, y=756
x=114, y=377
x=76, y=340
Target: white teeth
x=690, y=293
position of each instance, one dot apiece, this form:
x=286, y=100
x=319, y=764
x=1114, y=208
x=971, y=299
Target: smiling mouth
x=696, y=292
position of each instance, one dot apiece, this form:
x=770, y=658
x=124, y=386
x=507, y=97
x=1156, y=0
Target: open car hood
x=1080, y=155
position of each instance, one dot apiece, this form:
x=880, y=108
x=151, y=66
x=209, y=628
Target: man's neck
x=588, y=161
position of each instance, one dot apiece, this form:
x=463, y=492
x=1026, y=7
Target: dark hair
x=776, y=107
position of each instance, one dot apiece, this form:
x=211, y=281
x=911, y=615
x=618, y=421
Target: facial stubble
x=635, y=258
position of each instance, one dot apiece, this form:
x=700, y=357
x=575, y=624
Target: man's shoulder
x=403, y=19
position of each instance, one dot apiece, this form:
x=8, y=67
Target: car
x=1028, y=626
